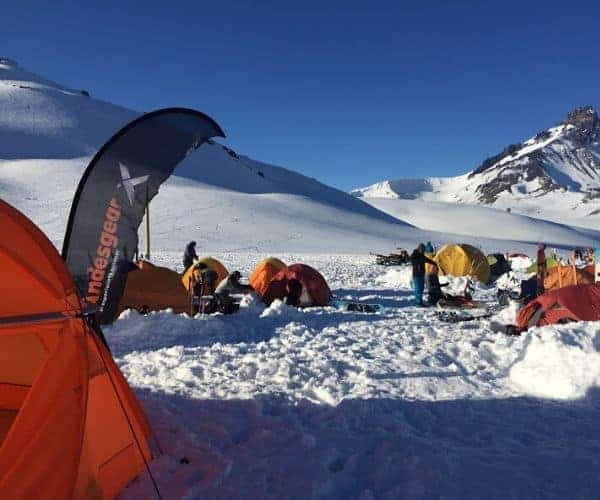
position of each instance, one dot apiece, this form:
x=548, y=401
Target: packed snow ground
x=320, y=403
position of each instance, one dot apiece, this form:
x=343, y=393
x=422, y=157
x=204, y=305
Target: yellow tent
x=463, y=260
x=211, y=263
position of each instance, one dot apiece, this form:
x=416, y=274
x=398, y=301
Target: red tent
x=312, y=282
x=571, y=303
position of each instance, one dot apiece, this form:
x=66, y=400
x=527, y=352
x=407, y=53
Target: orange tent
x=70, y=426
x=213, y=264
x=153, y=288
x=263, y=274
x=561, y=276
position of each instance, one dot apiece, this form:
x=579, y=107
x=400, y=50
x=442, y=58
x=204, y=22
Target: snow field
x=486, y=222
x=318, y=403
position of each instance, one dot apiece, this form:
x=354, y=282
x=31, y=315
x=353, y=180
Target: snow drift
x=559, y=362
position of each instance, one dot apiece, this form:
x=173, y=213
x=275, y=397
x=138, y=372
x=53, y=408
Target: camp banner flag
x=102, y=232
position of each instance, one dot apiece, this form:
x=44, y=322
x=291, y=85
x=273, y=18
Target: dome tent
x=263, y=274
x=314, y=286
x=211, y=263
x=561, y=276
x=463, y=260
x=571, y=303
x=153, y=288
x=63, y=400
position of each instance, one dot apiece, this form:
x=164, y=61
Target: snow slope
x=484, y=221
x=218, y=218
x=42, y=119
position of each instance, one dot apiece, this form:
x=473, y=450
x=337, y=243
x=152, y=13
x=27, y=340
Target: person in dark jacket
x=418, y=260
x=231, y=285
x=434, y=288
x=189, y=255
x=293, y=292
x=204, y=282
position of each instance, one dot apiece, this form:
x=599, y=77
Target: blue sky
x=348, y=92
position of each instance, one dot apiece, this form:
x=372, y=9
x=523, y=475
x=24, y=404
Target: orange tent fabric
x=312, y=281
x=153, y=288
x=571, y=303
x=263, y=274
x=561, y=276
x=212, y=263
x=63, y=431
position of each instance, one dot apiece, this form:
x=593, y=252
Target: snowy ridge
x=42, y=119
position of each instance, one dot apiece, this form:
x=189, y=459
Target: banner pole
x=147, y=227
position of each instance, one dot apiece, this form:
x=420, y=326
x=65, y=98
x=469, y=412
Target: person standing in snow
x=189, y=255
x=541, y=267
x=418, y=260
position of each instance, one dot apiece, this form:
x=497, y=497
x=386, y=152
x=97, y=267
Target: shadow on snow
x=271, y=448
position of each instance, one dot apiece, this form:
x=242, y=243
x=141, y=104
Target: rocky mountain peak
x=584, y=118
x=587, y=125
x=564, y=157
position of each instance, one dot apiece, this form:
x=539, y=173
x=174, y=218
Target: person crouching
x=434, y=288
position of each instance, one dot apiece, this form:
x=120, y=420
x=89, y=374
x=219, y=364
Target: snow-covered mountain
x=554, y=175
x=225, y=201
x=49, y=132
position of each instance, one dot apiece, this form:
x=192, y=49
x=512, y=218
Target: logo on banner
x=108, y=241
x=129, y=183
